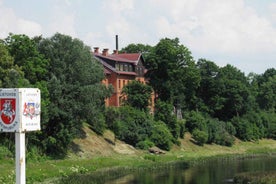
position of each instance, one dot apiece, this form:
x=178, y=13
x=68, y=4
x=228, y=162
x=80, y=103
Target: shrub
x=161, y=136
x=217, y=132
x=200, y=136
x=195, y=120
x=146, y=144
x=164, y=113
x=132, y=125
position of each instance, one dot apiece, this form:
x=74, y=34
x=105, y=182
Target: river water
x=210, y=172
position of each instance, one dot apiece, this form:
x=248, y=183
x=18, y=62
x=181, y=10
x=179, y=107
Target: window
x=125, y=67
x=117, y=66
x=121, y=67
x=130, y=68
x=119, y=84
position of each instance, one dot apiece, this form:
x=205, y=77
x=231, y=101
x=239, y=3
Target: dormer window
x=130, y=68
x=117, y=66
x=125, y=67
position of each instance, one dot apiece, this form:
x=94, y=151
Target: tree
x=11, y=76
x=138, y=48
x=208, y=99
x=34, y=66
x=26, y=55
x=233, y=92
x=173, y=74
x=266, y=96
x=137, y=95
x=75, y=91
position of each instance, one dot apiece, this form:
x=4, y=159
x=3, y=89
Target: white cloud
x=62, y=19
x=11, y=23
x=220, y=25
x=272, y=11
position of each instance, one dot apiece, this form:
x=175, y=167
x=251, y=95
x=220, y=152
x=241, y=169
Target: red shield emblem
x=8, y=110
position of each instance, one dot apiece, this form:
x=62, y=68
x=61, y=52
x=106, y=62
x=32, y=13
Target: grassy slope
x=95, y=152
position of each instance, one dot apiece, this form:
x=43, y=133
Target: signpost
x=19, y=113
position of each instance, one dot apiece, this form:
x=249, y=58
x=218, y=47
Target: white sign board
x=29, y=109
x=9, y=110
x=19, y=109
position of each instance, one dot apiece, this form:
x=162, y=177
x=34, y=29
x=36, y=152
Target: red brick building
x=119, y=70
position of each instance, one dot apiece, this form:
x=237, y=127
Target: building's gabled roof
x=108, y=68
x=124, y=57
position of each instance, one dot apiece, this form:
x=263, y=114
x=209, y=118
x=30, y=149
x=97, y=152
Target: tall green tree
x=266, y=96
x=137, y=95
x=11, y=75
x=75, y=91
x=138, y=48
x=208, y=98
x=26, y=55
x=233, y=91
x=173, y=74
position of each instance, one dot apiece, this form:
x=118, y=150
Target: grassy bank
x=46, y=169
x=256, y=178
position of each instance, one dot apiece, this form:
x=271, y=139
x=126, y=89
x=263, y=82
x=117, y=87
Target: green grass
x=39, y=171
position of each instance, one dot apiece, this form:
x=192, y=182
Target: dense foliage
x=215, y=104
x=70, y=83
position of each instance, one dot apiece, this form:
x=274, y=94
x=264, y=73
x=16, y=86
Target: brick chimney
x=115, y=51
x=105, y=52
x=96, y=50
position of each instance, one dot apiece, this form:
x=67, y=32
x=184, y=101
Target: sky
x=237, y=32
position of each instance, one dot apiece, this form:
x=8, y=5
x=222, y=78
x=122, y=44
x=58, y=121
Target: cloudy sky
x=237, y=32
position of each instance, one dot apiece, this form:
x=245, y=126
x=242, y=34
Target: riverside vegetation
x=112, y=163
x=215, y=105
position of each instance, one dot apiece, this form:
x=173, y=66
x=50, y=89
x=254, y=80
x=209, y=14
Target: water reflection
x=211, y=172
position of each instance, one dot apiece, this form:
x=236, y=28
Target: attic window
x=117, y=66
x=130, y=68
x=121, y=67
x=125, y=67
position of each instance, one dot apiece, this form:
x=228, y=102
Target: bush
x=164, y=113
x=200, y=136
x=217, y=132
x=195, y=120
x=132, y=125
x=161, y=136
x=112, y=114
x=227, y=139
x=146, y=144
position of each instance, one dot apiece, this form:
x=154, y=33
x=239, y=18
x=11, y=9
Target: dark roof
x=125, y=57
x=108, y=68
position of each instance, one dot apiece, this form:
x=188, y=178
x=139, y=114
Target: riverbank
x=256, y=178
x=44, y=170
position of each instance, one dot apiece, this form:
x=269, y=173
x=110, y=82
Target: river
x=210, y=172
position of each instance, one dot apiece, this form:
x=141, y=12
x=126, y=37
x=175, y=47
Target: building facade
x=119, y=70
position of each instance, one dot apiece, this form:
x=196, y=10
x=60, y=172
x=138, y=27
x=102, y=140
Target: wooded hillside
x=214, y=103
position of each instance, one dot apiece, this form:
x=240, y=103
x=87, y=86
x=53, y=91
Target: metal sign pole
x=20, y=158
